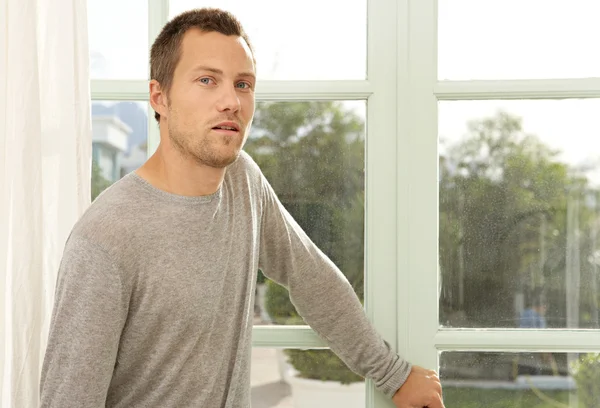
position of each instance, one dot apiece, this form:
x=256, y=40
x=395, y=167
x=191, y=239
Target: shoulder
x=246, y=163
x=107, y=222
x=81, y=251
x=247, y=169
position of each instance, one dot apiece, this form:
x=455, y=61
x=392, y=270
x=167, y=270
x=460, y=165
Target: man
x=534, y=317
x=155, y=291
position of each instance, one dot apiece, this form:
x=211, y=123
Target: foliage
x=321, y=365
x=502, y=193
x=500, y=398
x=586, y=372
x=99, y=183
x=312, y=153
x=260, y=277
x=279, y=307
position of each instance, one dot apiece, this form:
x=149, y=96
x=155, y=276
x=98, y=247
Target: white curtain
x=45, y=166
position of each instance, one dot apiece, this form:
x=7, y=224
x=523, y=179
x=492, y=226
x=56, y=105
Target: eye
x=244, y=85
x=206, y=80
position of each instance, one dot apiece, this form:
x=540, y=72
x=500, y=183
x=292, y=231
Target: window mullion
x=381, y=178
x=298, y=337
x=265, y=90
x=518, y=89
x=419, y=146
x=512, y=340
x=158, y=14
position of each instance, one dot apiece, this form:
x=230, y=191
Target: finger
x=436, y=402
x=438, y=388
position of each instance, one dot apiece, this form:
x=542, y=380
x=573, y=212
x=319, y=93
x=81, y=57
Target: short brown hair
x=166, y=50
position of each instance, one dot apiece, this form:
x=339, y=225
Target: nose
x=228, y=100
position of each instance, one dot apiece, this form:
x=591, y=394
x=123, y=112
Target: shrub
x=321, y=365
x=586, y=372
x=260, y=277
x=279, y=307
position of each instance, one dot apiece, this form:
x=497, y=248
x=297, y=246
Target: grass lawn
x=491, y=398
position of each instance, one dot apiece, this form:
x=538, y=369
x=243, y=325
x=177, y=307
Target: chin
x=218, y=160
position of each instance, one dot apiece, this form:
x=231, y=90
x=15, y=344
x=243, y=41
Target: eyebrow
x=220, y=72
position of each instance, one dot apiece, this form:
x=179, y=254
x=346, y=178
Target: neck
x=169, y=171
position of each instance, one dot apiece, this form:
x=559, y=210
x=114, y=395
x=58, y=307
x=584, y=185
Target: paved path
x=268, y=391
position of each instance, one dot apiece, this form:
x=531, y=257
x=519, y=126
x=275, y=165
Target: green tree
x=99, y=183
x=502, y=193
x=312, y=153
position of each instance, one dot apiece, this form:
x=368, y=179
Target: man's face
x=211, y=100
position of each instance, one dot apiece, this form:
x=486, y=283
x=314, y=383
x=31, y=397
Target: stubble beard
x=204, y=151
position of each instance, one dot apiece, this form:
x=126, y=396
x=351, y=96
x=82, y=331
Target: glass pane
x=119, y=141
x=512, y=39
x=118, y=39
x=324, y=143
x=308, y=40
x=519, y=213
x=284, y=378
x=520, y=380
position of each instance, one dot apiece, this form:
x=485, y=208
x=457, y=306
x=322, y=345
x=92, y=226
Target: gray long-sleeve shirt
x=155, y=295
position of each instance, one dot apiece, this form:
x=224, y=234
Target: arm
x=90, y=309
x=324, y=298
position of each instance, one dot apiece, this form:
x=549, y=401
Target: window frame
x=419, y=92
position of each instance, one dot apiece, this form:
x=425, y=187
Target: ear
x=158, y=99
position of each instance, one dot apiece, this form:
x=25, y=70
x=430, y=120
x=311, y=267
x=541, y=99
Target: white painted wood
x=555, y=340
x=382, y=179
x=158, y=13
x=518, y=89
x=265, y=90
x=119, y=90
x=271, y=336
x=419, y=200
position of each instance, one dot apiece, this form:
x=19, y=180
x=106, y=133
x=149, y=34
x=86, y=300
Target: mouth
x=227, y=128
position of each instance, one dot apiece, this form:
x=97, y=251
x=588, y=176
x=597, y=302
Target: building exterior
x=109, y=144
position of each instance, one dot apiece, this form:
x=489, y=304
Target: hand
x=422, y=389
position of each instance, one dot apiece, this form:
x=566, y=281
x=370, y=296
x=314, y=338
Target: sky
x=508, y=39
x=524, y=39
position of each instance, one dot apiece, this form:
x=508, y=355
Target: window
x=333, y=48
x=499, y=241
x=513, y=39
x=119, y=141
x=519, y=379
x=120, y=52
x=327, y=90
x=312, y=153
x=519, y=213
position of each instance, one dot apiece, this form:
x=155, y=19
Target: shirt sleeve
x=324, y=298
x=90, y=309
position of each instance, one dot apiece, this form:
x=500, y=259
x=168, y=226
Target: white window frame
x=382, y=181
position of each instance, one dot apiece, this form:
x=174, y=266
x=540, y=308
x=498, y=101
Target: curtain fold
x=45, y=170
